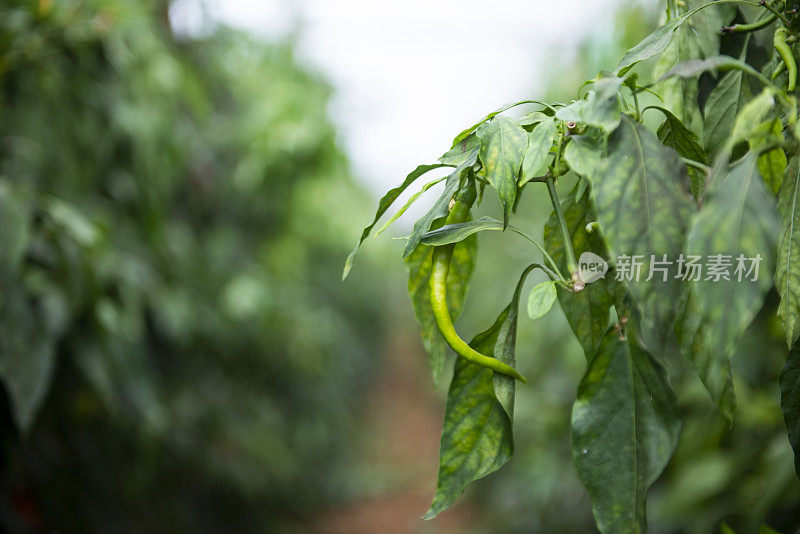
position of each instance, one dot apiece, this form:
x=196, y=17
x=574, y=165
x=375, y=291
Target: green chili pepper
x=438, y=292
x=779, y=41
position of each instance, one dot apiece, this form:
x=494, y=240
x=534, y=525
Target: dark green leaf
x=711, y=364
x=384, y=205
x=728, y=97
x=625, y=427
x=419, y=272
x=673, y=133
x=644, y=210
x=477, y=436
x=503, y=146
x=453, y=233
x=587, y=312
x=14, y=229
x=737, y=222
x=787, y=273
x=790, y=400
x=539, y=143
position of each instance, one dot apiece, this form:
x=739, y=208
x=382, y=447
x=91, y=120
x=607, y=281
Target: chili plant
x=659, y=242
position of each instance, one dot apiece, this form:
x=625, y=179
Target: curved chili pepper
x=442, y=256
x=785, y=51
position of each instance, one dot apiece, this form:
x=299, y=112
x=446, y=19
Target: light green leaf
x=503, y=146
x=477, y=436
x=541, y=299
x=505, y=107
x=737, y=222
x=384, y=205
x=726, y=100
x=600, y=108
x=461, y=151
x=790, y=400
x=419, y=272
x=408, y=204
x=587, y=312
x=625, y=427
x=539, y=143
x=583, y=153
x=751, y=115
x=695, y=67
x=644, y=210
x=787, y=273
x=653, y=44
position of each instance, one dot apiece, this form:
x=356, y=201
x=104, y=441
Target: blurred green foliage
x=176, y=349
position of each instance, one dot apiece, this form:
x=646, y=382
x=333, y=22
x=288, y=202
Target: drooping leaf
x=734, y=233
x=625, y=427
x=541, y=299
x=790, y=400
x=675, y=134
x=384, y=205
x=539, y=143
x=711, y=364
x=787, y=273
x=503, y=146
x=728, y=97
x=419, y=272
x=750, y=116
x=409, y=203
x=440, y=207
x=587, y=312
x=477, y=436
x=695, y=67
x=644, y=211
x=600, y=108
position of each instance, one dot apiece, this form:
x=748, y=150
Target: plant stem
x=572, y=263
x=697, y=165
x=753, y=26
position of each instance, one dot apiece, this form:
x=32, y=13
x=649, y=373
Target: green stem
x=440, y=269
x=572, y=263
x=753, y=26
x=697, y=165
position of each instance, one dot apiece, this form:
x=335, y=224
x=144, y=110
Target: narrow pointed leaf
x=505, y=107
x=787, y=273
x=453, y=233
x=384, y=204
x=790, y=400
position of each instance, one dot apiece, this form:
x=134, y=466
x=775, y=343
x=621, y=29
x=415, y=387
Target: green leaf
x=675, y=134
x=751, y=116
x=583, y=153
x=408, y=204
x=539, y=143
x=726, y=100
x=477, y=436
x=737, y=222
x=790, y=400
x=600, y=108
x=625, y=427
x=27, y=356
x=440, y=207
x=771, y=163
x=711, y=364
x=384, y=205
x=787, y=273
x=694, y=67
x=453, y=233
x=653, y=44
x=541, y=299
x=503, y=146
x=419, y=272
x=587, y=312
x=14, y=229
x=505, y=107
x=461, y=151
x=644, y=210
